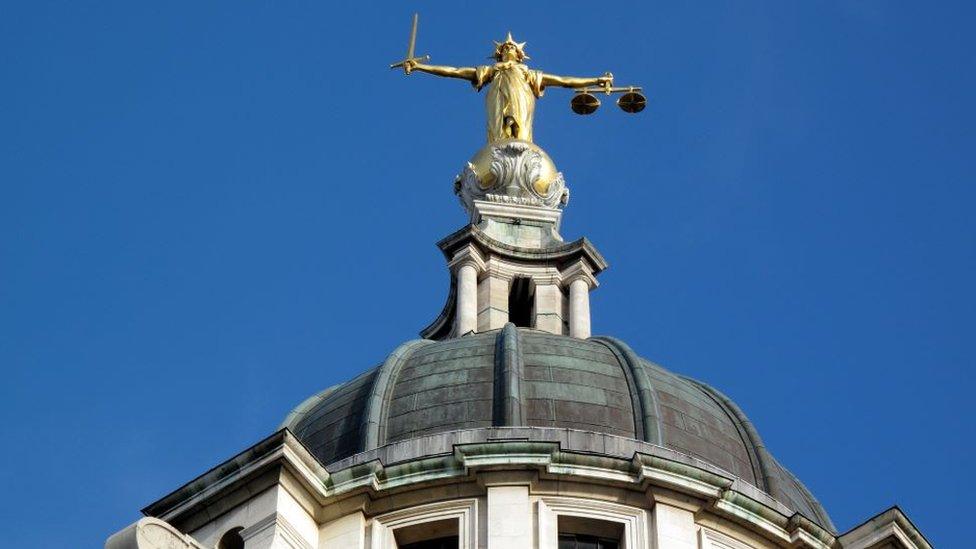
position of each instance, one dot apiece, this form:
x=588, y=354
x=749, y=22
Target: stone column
x=468, y=263
x=467, y=299
x=579, y=308
x=581, y=281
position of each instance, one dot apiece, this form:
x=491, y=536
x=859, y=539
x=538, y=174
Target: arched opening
x=232, y=539
x=521, y=302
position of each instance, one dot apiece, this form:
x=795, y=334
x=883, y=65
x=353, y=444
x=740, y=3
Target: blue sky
x=211, y=210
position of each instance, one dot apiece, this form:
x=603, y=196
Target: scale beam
x=608, y=91
x=632, y=101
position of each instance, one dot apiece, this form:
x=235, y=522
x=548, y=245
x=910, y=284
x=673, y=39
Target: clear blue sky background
x=211, y=210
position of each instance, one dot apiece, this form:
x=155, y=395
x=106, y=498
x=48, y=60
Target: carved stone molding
x=464, y=511
x=579, y=270
x=276, y=525
x=512, y=172
x=633, y=520
x=151, y=533
x=469, y=255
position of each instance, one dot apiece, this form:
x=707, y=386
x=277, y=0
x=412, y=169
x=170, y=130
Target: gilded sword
x=410, y=47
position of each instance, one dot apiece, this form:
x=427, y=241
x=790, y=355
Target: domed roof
x=523, y=377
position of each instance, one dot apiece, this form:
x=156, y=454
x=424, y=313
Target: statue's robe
x=512, y=90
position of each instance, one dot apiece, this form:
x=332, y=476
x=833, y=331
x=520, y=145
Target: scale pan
x=632, y=102
x=584, y=103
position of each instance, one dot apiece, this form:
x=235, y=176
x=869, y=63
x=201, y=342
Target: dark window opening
x=440, y=543
x=583, y=541
x=231, y=540
x=439, y=534
x=587, y=533
x=521, y=302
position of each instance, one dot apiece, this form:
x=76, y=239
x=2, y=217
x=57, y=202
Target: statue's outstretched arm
x=576, y=82
x=464, y=73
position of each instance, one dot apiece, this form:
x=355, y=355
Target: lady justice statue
x=512, y=87
x=511, y=172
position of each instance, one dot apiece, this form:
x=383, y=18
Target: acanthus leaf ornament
x=512, y=172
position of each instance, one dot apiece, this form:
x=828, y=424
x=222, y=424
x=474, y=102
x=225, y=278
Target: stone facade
x=497, y=491
x=484, y=440
x=508, y=426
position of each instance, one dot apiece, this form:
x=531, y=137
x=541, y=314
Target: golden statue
x=511, y=169
x=512, y=86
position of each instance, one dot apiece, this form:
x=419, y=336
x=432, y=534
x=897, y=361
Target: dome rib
x=307, y=405
x=772, y=472
x=377, y=406
x=520, y=377
x=331, y=422
x=758, y=456
x=508, y=406
x=648, y=422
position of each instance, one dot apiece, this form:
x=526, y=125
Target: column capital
x=579, y=270
x=468, y=255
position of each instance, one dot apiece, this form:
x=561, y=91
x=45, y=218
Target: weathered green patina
x=518, y=377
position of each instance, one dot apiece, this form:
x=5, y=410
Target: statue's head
x=510, y=50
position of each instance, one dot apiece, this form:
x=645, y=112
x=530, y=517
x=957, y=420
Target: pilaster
x=673, y=515
x=509, y=517
x=674, y=528
x=549, y=307
x=493, y=300
x=347, y=532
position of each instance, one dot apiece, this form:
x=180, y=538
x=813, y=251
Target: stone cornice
x=261, y=465
x=512, y=210
x=889, y=525
x=562, y=254
x=680, y=477
x=656, y=467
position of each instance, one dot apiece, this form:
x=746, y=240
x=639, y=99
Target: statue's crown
x=519, y=47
